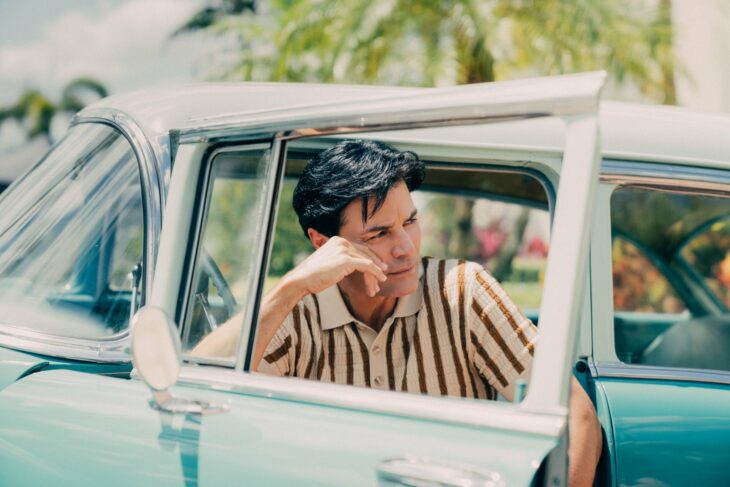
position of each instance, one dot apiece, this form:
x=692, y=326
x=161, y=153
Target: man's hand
x=332, y=262
x=325, y=267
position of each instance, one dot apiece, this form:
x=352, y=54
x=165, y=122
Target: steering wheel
x=210, y=270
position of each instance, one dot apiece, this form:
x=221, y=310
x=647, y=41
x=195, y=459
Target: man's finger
x=372, y=285
x=363, y=249
x=367, y=266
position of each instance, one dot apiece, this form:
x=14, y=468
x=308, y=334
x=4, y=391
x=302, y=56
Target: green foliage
x=453, y=41
x=290, y=243
x=210, y=15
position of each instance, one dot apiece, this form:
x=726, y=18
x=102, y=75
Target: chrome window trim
x=115, y=348
x=665, y=176
x=709, y=181
x=451, y=410
x=101, y=351
x=651, y=372
x=150, y=177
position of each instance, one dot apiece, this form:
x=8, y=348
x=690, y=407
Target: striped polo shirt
x=459, y=334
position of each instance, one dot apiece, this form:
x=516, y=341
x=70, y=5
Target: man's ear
x=317, y=239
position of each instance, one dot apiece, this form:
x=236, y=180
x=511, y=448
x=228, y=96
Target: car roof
x=629, y=131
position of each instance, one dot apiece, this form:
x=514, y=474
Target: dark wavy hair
x=351, y=169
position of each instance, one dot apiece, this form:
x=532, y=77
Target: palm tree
x=36, y=111
x=452, y=41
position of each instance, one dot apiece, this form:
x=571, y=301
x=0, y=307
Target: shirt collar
x=334, y=311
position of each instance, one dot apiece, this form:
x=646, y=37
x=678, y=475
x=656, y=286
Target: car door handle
x=422, y=472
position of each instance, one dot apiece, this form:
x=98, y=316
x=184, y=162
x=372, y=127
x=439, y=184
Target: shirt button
x=378, y=381
x=376, y=349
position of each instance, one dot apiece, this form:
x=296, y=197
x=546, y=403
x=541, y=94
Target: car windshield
x=71, y=238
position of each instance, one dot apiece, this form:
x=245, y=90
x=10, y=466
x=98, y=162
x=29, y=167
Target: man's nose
x=404, y=245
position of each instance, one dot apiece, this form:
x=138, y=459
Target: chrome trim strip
x=151, y=179
x=708, y=180
x=650, y=372
x=267, y=221
x=460, y=411
x=479, y=103
x=112, y=350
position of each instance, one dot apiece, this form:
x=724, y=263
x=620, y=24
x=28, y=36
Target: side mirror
x=157, y=358
x=156, y=349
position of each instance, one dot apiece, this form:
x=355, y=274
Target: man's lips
x=401, y=271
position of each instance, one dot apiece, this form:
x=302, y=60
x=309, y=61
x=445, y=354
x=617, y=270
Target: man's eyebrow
x=379, y=228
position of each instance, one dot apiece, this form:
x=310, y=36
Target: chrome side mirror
x=157, y=359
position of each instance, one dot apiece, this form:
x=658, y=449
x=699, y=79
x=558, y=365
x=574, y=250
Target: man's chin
x=400, y=290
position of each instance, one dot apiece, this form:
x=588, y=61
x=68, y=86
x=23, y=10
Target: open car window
x=496, y=216
x=489, y=217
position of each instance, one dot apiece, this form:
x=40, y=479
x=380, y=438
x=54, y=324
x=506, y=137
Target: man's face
x=393, y=234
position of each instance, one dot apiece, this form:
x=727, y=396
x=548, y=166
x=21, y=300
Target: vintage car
x=164, y=213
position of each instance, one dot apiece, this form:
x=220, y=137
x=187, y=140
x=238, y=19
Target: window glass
x=71, y=235
x=638, y=285
x=224, y=267
x=708, y=254
x=669, y=276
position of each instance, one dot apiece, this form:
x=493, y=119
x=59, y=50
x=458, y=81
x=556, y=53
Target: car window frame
x=573, y=99
x=690, y=177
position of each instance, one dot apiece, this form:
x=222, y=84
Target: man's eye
x=381, y=233
x=412, y=220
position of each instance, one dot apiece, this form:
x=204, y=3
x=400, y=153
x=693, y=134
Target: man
x=366, y=309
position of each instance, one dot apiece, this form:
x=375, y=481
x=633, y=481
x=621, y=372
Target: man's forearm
x=275, y=307
x=585, y=440
x=277, y=304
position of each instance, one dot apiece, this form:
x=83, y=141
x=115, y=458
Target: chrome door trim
x=651, y=372
x=452, y=410
x=415, y=471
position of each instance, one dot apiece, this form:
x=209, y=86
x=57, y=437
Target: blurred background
x=57, y=57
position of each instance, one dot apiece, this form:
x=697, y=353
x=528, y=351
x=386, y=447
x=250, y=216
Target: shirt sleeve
x=279, y=355
x=501, y=339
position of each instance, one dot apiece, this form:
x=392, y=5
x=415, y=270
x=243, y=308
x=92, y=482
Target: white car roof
x=629, y=131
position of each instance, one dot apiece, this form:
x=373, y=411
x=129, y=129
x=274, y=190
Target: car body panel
x=669, y=432
x=14, y=365
x=104, y=428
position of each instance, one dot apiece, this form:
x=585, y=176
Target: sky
x=124, y=44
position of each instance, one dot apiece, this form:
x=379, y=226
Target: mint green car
x=163, y=214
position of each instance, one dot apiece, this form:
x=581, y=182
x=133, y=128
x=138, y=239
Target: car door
x=662, y=375
x=279, y=431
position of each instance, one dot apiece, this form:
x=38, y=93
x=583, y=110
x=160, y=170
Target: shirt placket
x=378, y=362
